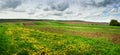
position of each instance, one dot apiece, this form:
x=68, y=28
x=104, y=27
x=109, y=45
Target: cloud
x=58, y=14
x=59, y=6
x=70, y=9
x=107, y=2
x=6, y=4
x=69, y=12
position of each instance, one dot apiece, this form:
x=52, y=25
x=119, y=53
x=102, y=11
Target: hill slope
x=18, y=40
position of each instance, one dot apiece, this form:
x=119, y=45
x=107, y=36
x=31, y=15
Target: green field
x=58, y=38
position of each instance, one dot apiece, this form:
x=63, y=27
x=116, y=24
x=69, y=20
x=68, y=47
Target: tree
x=114, y=23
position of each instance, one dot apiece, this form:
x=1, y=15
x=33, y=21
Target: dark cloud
x=58, y=14
x=6, y=4
x=95, y=3
x=106, y=2
x=79, y=14
x=46, y=9
x=18, y=10
x=31, y=11
x=60, y=7
x=39, y=6
x=69, y=12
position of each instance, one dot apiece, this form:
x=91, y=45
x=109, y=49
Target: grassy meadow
x=58, y=38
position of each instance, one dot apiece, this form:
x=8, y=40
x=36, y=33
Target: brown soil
x=28, y=24
x=114, y=37
x=92, y=23
x=53, y=30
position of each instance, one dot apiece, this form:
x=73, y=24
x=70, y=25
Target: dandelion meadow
x=58, y=38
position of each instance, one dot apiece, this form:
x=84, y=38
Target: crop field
x=59, y=38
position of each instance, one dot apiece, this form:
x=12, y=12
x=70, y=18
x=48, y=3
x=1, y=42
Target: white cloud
x=56, y=9
x=9, y=14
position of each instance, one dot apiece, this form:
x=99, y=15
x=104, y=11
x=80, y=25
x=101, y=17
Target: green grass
x=17, y=39
x=84, y=27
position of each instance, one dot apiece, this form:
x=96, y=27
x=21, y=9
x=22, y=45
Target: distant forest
x=19, y=20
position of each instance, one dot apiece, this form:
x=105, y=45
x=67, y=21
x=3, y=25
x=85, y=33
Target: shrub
x=20, y=24
x=38, y=23
x=114, y=23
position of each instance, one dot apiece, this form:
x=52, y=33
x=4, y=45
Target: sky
x=85, y=10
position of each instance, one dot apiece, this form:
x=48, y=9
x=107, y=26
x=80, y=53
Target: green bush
x=38, y=23
x=114, y=23
x=20, y=24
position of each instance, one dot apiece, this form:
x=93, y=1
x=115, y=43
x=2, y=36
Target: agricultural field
x=59, y=38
